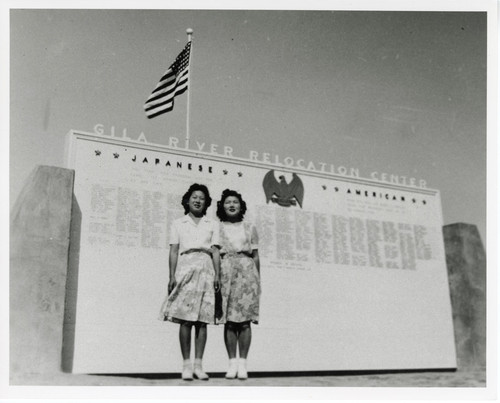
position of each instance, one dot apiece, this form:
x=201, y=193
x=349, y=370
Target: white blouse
x=189, y=235
x=238, y=237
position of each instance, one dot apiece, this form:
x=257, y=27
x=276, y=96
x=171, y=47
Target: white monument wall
x=355, y=279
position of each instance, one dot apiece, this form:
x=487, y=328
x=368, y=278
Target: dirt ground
x=422, y=385
x=432, y=379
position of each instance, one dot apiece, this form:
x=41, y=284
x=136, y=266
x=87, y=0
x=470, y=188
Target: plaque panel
x=353, y=274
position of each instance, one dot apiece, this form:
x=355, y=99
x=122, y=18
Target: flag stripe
x=173, y=82
x=164, y=105
x=168, y=88
x=168, y=92
x=164, y=81
x=161, y=111
x=163, y=100
x=160, y=106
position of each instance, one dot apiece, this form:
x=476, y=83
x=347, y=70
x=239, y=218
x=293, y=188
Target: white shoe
x=200, y=374
x=242, y=374
x=242, y=369
x=187, y=374
x=233, y=369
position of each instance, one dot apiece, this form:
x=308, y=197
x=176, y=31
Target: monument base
x=41, y=288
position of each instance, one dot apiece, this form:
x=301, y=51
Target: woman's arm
x=254, y=242
x=172, y=265
x=255, y=257
x=216, y=261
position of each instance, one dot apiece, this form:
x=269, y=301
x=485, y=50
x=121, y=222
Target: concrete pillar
x=466, y=262
x=39, y=243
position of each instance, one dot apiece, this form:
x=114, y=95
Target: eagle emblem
x=283, y=193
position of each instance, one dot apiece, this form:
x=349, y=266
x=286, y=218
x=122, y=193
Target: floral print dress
x=193, y=297
x=240, y=279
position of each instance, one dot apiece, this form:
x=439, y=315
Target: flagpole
x=189, y=32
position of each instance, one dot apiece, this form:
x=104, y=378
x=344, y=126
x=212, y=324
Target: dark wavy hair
x=193, y=188
x=221, y=213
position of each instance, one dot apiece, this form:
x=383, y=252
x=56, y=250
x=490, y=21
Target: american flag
x=174, y=82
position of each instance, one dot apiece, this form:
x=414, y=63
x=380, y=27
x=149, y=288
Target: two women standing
x=197, y=244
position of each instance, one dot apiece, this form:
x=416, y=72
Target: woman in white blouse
x=240, y=279
x=194, y=264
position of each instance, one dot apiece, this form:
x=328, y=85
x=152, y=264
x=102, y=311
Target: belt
x=193, y=250
x=233, y=254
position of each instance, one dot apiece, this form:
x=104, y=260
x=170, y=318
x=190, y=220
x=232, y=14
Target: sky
x=397, y=92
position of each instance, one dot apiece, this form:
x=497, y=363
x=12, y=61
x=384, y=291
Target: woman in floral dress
x=194, y=266
x=240, y=279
